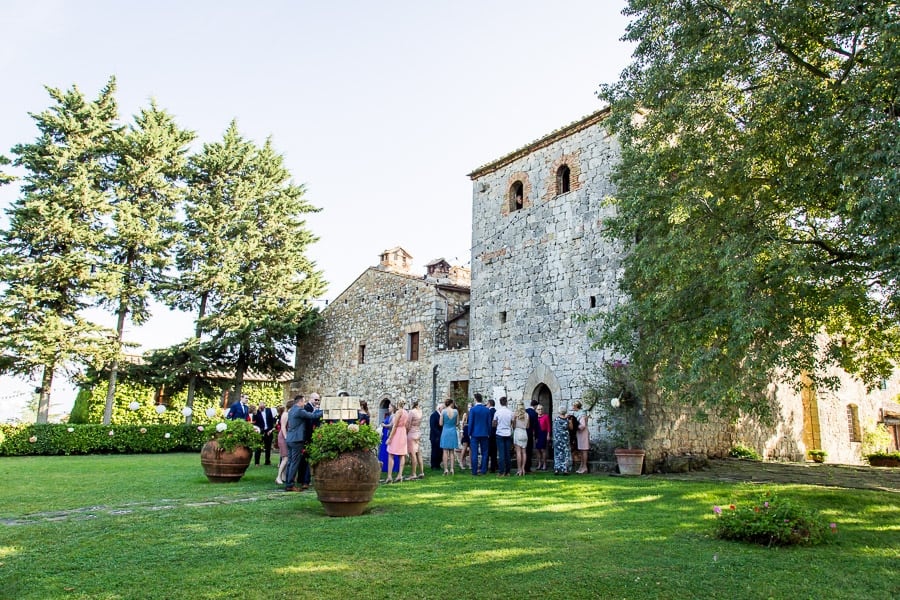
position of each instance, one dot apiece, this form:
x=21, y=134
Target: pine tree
x=150, y=159
x=51, y=253
x=242, y=262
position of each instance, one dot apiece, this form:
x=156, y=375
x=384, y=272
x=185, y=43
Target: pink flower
x=199, y=427
x=32, y=439
x=111, y=432
x=717, y=510
x=833, y=527
x=766, y=504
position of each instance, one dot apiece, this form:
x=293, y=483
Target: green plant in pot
x=345, y=468
x=617, y=399
x=226, y=454
x=817, y=455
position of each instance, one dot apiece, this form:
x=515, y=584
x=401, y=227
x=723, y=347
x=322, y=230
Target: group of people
x=490, y=433
x=482, y=439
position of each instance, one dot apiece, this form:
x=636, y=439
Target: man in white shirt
x=503, y=422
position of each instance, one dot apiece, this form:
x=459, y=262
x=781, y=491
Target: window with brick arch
x=563, y=180
x=516, y=196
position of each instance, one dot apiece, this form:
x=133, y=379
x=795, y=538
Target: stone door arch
x=543, y=386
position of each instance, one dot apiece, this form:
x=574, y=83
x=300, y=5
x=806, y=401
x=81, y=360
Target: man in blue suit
x=239, y=411
x=479, y=433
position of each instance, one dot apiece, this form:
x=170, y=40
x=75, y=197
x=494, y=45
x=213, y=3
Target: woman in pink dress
x=282, y=445
x=413, y=433
x=396, y=442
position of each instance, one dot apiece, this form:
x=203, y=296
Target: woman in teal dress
x=449, y=438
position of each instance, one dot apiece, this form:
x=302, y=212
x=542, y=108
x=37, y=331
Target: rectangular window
x=853, y=423
x=362, y=354
x=502, y=317
x=412, y=352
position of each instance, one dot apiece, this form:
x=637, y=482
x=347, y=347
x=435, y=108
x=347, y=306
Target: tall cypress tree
x=50, y=254
x=243, y=264
x=150, y=159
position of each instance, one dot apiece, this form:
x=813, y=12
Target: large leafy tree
x=758, y=194
x=149, y=163
x=242, y=262
x=51, y=253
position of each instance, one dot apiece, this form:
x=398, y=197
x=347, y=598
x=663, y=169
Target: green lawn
x=150, y=526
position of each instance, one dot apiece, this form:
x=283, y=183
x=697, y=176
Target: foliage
x=242, y=262
x=817, y=455
x=756, y=196
x=741, y=451
x=770, y=521
x=883, y=458
x=616, y=396
x=876, y=439
x=146, y=183
x=51, y=263
x=234, y=433
x=25, y=440
x=331, y=439
x=147, y=410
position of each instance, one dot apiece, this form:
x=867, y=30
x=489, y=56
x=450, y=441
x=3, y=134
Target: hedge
x=54, y=439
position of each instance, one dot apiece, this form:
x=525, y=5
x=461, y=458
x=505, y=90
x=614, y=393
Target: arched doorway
x=543, y=395
x=382, y=411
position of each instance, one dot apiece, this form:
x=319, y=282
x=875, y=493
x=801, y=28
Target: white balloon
x=210, y=412
x=134, y=406
x=160, y=408
x=221, y=427
x=186, y=411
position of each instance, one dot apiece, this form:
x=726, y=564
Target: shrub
x=770, y=521
x=331, y=439
x=37, y=440
x=740, y=451
x=817, y=455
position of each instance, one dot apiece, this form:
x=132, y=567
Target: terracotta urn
x=631, y=462
x=345, y=485
x=224, y=467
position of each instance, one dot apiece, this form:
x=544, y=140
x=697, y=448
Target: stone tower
x=539, y=261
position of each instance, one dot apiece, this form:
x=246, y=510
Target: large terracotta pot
x=631, y=462
x=221, y=466
x=346, y=484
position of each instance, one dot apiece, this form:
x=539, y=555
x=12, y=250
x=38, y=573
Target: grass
x=150, y=526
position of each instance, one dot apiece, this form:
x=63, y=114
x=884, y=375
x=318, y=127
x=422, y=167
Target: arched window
x=853, y=423
x=516, y=196
x=563, y=183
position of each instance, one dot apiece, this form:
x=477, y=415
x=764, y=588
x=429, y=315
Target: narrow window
x=502, y=317
x=362, y=354
x=516, y=196
x=593, y=301
x=563, y=175
x=853, y=423
x=413, y=345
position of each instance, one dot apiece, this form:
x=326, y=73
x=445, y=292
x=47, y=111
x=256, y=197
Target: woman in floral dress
x=562, y=455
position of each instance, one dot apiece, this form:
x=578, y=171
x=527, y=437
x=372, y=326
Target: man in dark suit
x=480, y=433
x=264, y=419
x=434, y=436
x=492, y=440
x=299, y=421
x=532, y=433
x=239, y=411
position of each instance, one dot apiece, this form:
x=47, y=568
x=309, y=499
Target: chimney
x=396, y=260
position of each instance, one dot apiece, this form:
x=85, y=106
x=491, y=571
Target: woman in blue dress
x=449, y=438
x=382, y=449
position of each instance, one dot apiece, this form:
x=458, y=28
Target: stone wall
x=536, y=269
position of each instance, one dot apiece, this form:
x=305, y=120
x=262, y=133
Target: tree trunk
x=192, y=384
x=43, y=412
x=114, y=366
x=239, y=371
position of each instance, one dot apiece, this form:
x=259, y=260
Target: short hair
x=535, y=402
x=298, y=398
x=290, y=403
x=478, y=397
x=490, y=402
x=503, y=401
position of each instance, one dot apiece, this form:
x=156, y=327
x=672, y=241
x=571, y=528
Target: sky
x=381, y=109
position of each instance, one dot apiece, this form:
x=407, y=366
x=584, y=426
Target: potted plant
x=226, y=455
x=882, y=458
x=817, y=455
x=617, y=398
x=345, y=468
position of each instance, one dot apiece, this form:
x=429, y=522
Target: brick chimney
x=396, y=260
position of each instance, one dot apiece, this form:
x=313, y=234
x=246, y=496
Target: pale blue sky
x=381, y=108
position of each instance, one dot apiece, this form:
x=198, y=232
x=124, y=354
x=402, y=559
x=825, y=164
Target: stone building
x=390, y=335
x=539, y=263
